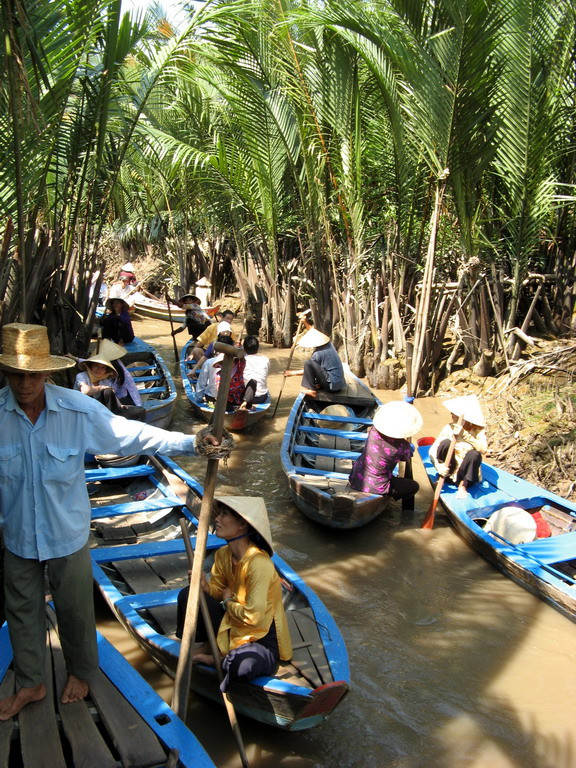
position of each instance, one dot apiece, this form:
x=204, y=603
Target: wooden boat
x=154, y=381
x=123, y=722
x=546, y=566
x=158, y=309
x=324, y=435
x=140, y=581
x=237, y=420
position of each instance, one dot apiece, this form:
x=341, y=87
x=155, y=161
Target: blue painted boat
x=323, y=437
x=235, y=421
x=154, y=381
x=546, y=566
x=122, y=722
x=141, y=581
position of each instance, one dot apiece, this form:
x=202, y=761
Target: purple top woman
x=386, y=445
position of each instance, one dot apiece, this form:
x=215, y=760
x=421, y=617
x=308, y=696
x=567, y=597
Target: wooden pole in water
x=176, y=356
x=184, y=669
x=429, y=519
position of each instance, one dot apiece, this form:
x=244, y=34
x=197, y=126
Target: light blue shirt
x=44, y=505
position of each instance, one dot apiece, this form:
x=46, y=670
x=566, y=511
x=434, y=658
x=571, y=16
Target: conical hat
x=468, y=407
x=313, y=338
x=27, y=348
x=108, y=351
x=128, y=267
x=253, y=510
x=512, y=523
x=398, y=419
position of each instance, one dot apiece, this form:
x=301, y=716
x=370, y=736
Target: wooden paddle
x=408, y=501
x=176, y=356
x=429, y=519
x=184, y=669
x=289, y=363
x=214, y=650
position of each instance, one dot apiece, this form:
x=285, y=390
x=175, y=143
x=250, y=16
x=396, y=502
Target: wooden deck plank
x=39, y=736
x=6, y=726
x=89, y=750
x=136, y=743
x=140, y=577
x=302, y=657
x=304, y=618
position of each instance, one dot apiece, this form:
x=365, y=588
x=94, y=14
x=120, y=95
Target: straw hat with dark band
x=252, y=509
x=27, y=348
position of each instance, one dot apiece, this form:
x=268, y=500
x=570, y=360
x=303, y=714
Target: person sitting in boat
x=387, y=444
x=104, y=377
x=116, y=323
x=196, y=320
x=207, y=383
x=255, y=374
x=244, y=595
x=207, y=337
x=324, y=369
x=467, y=432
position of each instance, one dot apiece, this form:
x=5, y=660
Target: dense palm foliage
x=406, y=168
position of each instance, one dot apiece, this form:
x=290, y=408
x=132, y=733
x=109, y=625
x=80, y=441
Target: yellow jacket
x=256, y=600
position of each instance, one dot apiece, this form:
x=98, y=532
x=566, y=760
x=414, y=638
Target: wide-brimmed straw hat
x=313, y=338
x=27, y=348
x=116, y=298
x=253, y=510
x=107, y=352
x=468, y=407
x=398, y=419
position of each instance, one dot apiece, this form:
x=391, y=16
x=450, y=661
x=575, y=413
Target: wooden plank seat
x=152, y=391
x=342, y=419
x=305, y=450
x=343, y=433
x=144, y=379
x=119, y=473
x=344, y=397
x=136, y=507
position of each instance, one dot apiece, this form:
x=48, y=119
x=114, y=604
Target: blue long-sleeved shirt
x=44, y=505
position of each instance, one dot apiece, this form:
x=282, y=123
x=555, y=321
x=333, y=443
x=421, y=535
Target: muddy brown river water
x=452, y=664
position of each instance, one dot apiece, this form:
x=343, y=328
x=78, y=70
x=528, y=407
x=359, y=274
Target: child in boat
x=244, y=595
x=255, y=374
x=467, y=432
x=386, y=445
x=196, y=320
x=324, y=369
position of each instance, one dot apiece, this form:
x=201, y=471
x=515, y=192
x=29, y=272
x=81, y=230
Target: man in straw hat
x=45, y=510
x=324, y=369
x=244, y=594
x=468, y=429
x=386, y=445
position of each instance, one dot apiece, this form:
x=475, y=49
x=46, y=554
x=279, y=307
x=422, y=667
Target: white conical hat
x=128, y=267
x=313, y=338
x=468, y=407
x=512, y=523
x=253, y=510
x=398, y=419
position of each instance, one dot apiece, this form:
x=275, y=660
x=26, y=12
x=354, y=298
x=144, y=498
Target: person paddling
x=467, y=429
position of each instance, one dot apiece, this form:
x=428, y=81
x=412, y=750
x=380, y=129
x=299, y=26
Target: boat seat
x=142, y=379
x=118, y=473
x=334, y=454
x=345, y=434
x=341, y=419
x=135, y=507
x=152, y=391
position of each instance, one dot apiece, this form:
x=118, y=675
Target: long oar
x=288, y=364
x=408, y=501
x=214, y=649
x=429, y=519
x=184, y=669
x=176, y=356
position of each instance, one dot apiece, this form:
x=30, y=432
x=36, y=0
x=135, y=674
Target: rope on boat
x=210, y=451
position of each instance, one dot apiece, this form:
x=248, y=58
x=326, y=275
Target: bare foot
x=74, y=690
x=310, y=392
x=13, y=704
x=203, y=658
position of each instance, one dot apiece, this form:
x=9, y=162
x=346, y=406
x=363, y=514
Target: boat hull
x=324, y=435
x=158, y=310
x=154, y=382
x=545, y=566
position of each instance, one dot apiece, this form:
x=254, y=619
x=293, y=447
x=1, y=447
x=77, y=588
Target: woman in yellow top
x=467, y=429
x=244, y=595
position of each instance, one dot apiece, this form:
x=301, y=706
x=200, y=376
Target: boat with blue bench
x=323, y=437
x=237, y=420
x=140, y=565
x=123, y=723
x=153, y=380
x=546, y=566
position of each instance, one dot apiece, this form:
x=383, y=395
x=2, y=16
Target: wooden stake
x=176, y=356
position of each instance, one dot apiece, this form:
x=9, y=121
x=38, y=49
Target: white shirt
x=257, y=367
x=207, y=383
